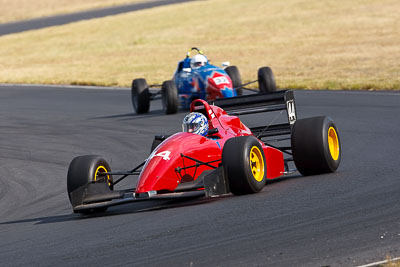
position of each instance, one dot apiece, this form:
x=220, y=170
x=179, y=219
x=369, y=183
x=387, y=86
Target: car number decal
x=291, y=111
x=220, y=80
x=164, y=154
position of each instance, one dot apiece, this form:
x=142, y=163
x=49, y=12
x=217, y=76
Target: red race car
x=230, y=158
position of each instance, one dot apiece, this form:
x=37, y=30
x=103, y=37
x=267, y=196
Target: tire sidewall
x=332, y=163
x=310, y=146
x=255, y=185
x=236, y=162
x=82, y=171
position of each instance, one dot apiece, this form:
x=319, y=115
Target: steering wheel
x=193, y=48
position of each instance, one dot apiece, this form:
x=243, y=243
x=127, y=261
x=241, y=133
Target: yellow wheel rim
x=256, y=163
x=102, y=169
x=333, y=143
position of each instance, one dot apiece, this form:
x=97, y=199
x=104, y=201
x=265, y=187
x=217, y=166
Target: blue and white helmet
x=195, y=123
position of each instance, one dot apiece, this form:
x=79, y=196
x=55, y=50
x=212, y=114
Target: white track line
x=379, y=262
x=56, y=86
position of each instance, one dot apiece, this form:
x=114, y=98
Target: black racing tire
x=244, y=165
x=233, y=73
x=266, y=80
x=316, y=145
x=140, y=96
x=83, y=170
x=169, y=95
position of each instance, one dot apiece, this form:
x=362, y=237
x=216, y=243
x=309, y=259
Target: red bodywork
x=218, y=84
x=160, y=173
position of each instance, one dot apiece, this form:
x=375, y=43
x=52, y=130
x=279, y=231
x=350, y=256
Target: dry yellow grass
x=391, y=262
x=12, y=10
x=314, y=44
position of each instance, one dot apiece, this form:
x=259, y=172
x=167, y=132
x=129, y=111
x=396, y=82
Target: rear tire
x=244, y=164
x=233, y=73
x=266, y=80
x=316, y=145
x=83, y=170
x=169, y=97
x=140, y=96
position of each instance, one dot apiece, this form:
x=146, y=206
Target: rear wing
x=281, y=100
x=258, y=103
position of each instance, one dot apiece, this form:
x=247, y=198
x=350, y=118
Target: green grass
x=308, y=44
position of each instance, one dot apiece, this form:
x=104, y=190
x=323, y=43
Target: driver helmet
x=195, y=122
x=198, y=61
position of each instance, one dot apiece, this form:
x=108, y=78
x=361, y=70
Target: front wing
x=94, y=195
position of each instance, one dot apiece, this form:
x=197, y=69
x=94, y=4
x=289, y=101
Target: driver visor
x=190, y=127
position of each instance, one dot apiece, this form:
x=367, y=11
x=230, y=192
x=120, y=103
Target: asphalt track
x=43, y=22
x=348, y=218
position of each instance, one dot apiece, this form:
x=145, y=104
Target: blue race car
x=196, y=78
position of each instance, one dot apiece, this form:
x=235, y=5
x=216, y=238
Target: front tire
x=169, y=97
x=140, y=96
x=233, y=73
x=316, y=145
x=244, y=164
x=266, y=80
x=85, y=169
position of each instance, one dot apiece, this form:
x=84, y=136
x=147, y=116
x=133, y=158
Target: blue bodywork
x=206, y=82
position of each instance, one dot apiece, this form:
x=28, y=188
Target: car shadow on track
x=117, y=210
x=45, y=220
x=284, y=178
x=137, y=207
